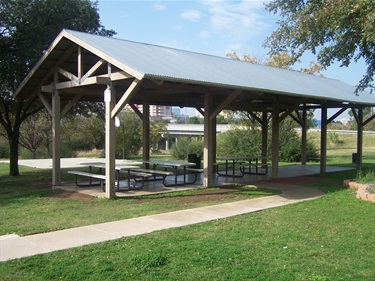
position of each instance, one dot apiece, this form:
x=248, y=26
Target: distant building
x=176, y=111
x=158, y=111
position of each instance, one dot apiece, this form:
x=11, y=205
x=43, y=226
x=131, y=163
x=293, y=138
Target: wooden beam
x=110, y=141
x=209, y=134
x=289, y=111
x=200, y=110
x=56, y=135
x=303, y=124
x=80, y=63
x=275, y=140
x=47, y=76
x=264, y=122
x=70, y=105
x=46, y=104
x=136, y=110
x=126, y=97
x=323, y=141
x=368, y=120
x=92, y=70
x=120, y=75
x=338, y=113
x=359, y=138
x=253, y=115
x=68, y=75
x=227, y=101
x=146, y=131
x=95, y=80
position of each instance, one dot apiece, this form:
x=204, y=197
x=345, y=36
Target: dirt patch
x=216, y=195
x=71, y=195
x=295, y=180
x=203, y=196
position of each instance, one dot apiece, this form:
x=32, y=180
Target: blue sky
x=213, y=27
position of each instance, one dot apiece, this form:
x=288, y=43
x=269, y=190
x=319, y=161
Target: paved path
x=14, y=247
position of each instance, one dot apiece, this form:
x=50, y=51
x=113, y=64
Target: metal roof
x=168, y=64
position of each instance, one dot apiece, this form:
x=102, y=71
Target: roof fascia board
x=40, y=62
x=254, y=89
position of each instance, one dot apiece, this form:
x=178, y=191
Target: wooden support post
x=359, y=137
x=146, y=130
x=304, y=137
x=264, y=137
x=110, y=142
x=209, y=135
x=56, y=134
x=323, y=141
x=275, y=141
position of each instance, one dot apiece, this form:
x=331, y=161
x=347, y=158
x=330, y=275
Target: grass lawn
x=29, y=205
x=330, y=238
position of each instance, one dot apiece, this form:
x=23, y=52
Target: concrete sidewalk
x=14, y=247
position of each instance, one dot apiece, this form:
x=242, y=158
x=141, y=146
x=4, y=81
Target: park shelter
x=85, y=67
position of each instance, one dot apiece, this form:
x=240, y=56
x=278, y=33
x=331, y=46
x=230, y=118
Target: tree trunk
x=13, y=157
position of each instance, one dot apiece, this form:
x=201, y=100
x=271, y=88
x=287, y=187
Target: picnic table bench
x=120, y=168
x=178, y=168
x=99, y=177
x=154, y=173
x=244, y=165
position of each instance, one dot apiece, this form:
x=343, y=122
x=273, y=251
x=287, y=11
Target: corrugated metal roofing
x=153, y=61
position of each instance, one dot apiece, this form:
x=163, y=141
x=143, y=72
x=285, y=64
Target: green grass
x=330, y=238
x=29, y=205
x=341, y=152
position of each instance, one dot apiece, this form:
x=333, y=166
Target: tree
x=128, y=135
x=193, y=120
x=27, y=28
x=280, y=60
x=34, y=131
x=342, y=31
x=83, y=132
x=157, y=128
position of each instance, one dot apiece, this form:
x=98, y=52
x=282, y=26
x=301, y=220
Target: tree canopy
x=27, y=28
x=342, y=31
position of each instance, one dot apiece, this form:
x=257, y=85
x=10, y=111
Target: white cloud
x=192, y=15
x=233, y=25
x=241, y=18
x=159, y=7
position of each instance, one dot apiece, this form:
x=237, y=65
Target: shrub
x=239, y=142
x=185, y=146
x=365, y=176
x=4, y=151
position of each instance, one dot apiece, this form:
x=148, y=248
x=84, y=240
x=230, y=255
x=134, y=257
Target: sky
x=214, y=27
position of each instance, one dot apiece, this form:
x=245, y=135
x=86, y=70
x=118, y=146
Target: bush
x=238, y=142
x=365, y=176
x=185, y=146
x=4, y=151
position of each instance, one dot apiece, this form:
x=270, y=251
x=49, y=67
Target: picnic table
x=178, y=168
x=121, y=167
x=238, y=166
